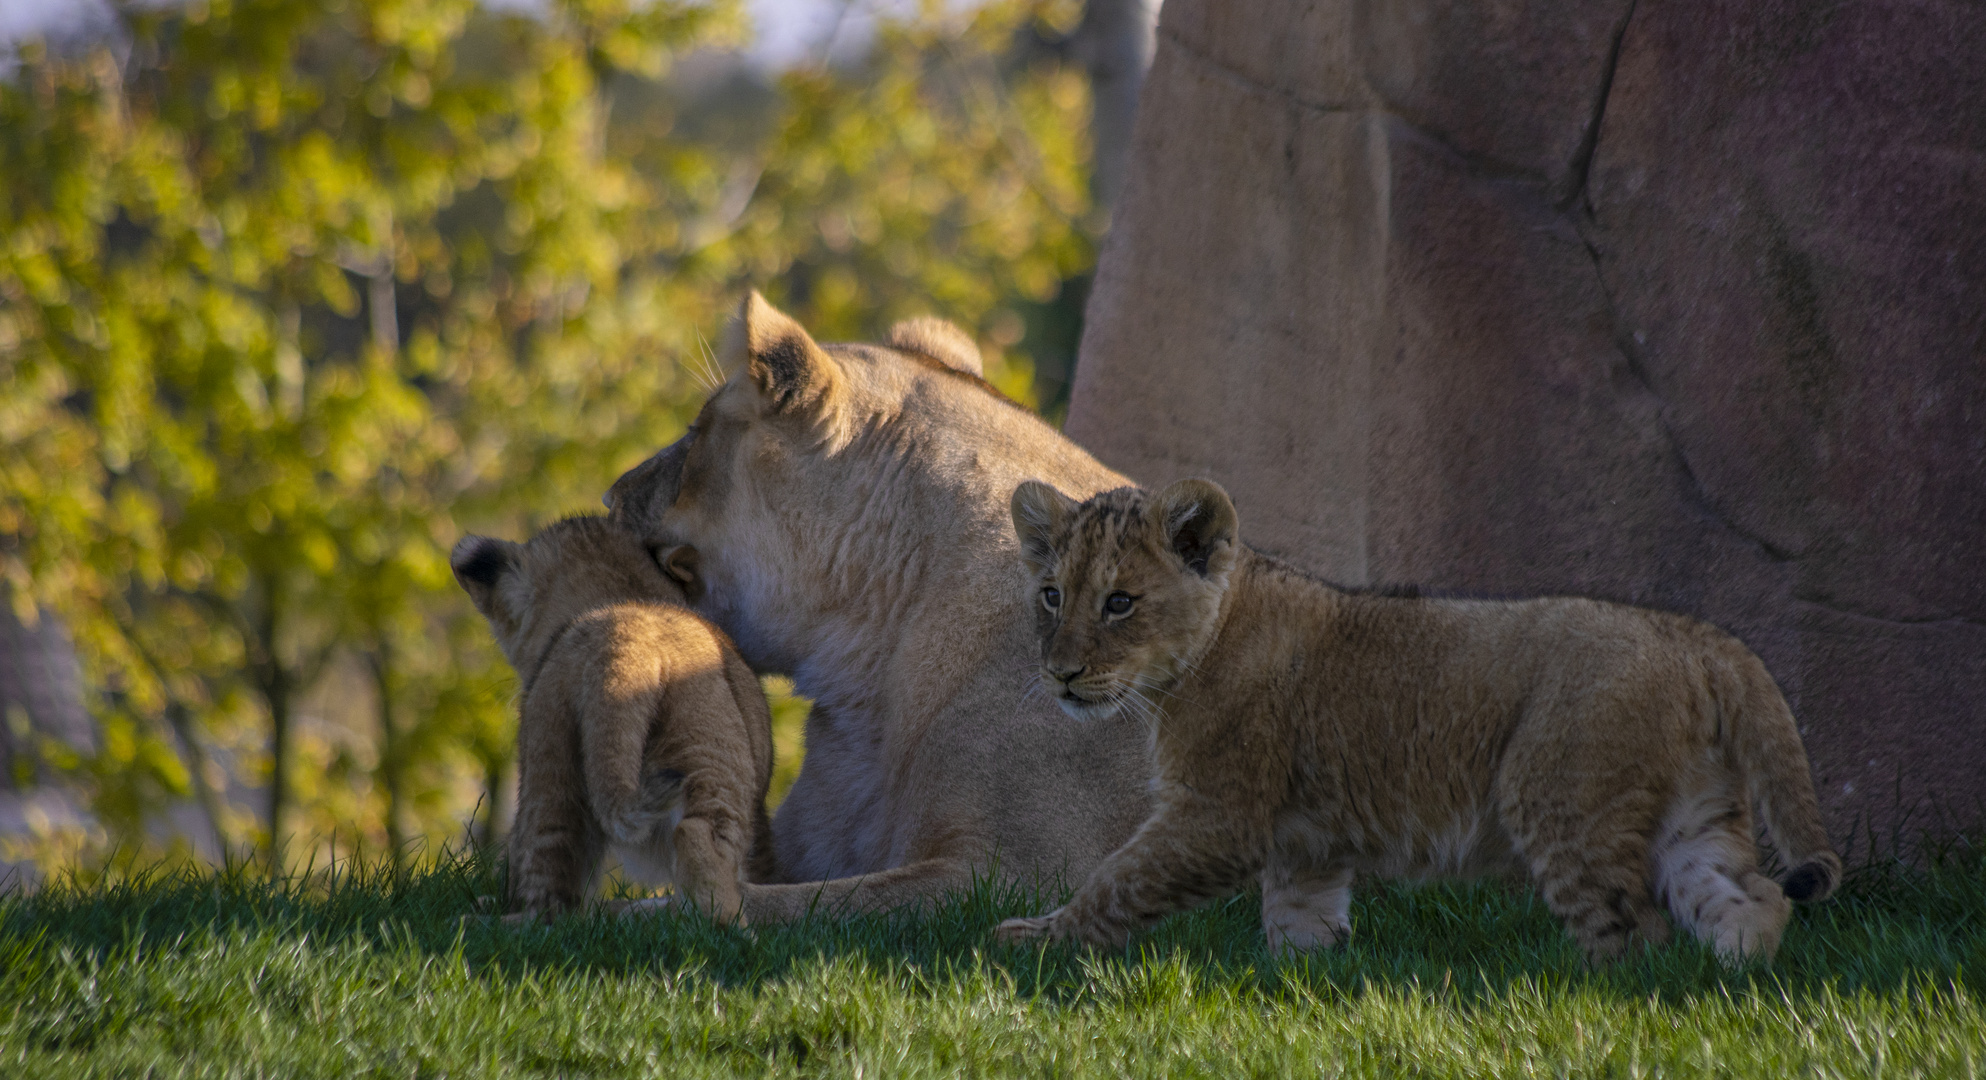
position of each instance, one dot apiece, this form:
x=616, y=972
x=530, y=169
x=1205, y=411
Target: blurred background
x=293, y=293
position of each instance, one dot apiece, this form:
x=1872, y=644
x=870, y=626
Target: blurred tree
x=1114, y=42
x=291, y=293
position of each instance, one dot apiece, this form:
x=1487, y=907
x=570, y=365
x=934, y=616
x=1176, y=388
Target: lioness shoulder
x=1306, y=734
x=640, y=730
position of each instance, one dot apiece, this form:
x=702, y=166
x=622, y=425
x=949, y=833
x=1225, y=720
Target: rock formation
x=1680, y=304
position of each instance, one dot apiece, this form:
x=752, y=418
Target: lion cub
x=640, y=729
x=1305, y=734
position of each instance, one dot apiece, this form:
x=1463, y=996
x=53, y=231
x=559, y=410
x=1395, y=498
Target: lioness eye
x=1117, y=603
x=1051, y=598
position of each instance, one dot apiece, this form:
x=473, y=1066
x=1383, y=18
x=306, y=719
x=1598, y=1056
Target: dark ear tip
x=479, y=559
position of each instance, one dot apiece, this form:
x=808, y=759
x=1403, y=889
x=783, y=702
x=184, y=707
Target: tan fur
x=640, y=728
x=1304, y=734
x=939, y=340
x=850, y=506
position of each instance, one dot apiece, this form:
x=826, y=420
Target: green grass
x=356, y=975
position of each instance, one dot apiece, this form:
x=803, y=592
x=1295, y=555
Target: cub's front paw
x=1016, y=931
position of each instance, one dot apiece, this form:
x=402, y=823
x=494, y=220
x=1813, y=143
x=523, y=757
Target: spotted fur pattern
x=1304, y=734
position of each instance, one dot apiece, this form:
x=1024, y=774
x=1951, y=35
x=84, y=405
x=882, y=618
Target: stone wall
x=1681, y=304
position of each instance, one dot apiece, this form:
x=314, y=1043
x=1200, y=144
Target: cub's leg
x=710, y=863
x=1706, y=872
x=1585, y=839
x=1305, y=909
x=555, y=847
x=1189, y=851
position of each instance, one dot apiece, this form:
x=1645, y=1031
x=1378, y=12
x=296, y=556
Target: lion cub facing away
x=1305, y=734
x=640, y=727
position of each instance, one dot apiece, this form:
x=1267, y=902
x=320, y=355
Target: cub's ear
x=479, y=563
x=644, y=492
x=792, y=373
x=1199, y=523
x=1038, y=511
x=940, y=340
x=680, y=563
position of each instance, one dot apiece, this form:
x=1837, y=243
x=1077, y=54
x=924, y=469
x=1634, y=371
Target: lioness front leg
x=1181, y=857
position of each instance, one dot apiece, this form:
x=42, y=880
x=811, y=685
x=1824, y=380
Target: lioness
x=640, y=729
x=1306, y=734
x=850, y=505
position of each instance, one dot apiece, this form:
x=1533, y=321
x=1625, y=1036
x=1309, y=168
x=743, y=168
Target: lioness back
x=640, y=729
x=1308, y=734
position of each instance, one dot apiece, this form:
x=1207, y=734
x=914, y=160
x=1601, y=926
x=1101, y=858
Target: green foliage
x=295, y=293
x=366, y=971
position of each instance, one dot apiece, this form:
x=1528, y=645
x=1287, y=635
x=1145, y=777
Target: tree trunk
x=276, y=694
x=1114, y=43
x=211, y=802
x=496, y=802
x=277, y=685
x=390, y=750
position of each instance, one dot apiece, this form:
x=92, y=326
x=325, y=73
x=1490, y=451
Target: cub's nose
x=1065, y=674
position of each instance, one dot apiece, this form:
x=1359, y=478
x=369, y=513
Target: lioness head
x=1126, y=587
x=530, y=591
x=800, y=483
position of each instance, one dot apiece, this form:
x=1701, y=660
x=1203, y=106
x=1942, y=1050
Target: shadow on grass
x=1892, y=929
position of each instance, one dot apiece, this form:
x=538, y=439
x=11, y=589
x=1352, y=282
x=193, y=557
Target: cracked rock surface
x=1681, y=304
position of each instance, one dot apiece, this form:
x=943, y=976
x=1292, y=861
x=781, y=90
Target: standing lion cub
x=1306, y=734
x=640, y=729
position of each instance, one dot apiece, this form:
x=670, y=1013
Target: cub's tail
x=1765, y=742
x=632, y=796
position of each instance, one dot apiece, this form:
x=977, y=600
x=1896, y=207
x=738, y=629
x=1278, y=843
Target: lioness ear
x=1199, y=523
x=680, y=563
x=789, y=370
x=939, y=340
x=479, y=563
x=1038, y=509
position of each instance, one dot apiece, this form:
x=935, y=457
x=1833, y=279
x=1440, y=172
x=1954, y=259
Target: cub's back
x=1392, y=675
x=619, y=650
x=1506, y=646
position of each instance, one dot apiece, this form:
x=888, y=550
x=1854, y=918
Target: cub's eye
x=1051, y=598
x=1117, y=603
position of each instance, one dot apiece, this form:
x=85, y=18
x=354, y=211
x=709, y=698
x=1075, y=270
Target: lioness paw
x=1016, y=931
x=629, y=909
x=1291, y=937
